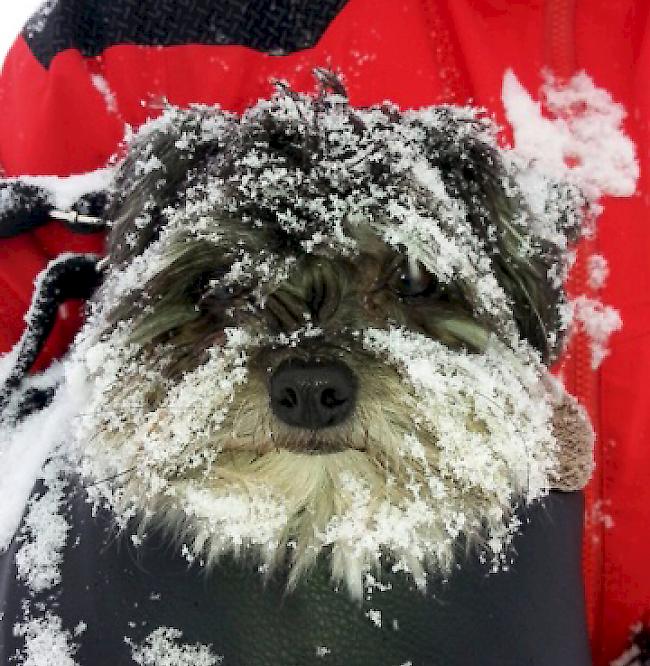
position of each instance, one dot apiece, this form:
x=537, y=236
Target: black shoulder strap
x=71, y=276
x=24, y=207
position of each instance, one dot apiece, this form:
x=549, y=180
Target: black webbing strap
x=72, y=276
x=24, y=207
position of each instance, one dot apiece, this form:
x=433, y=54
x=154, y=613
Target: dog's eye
x=208, y=290
x=216, y=293
x=413, y=281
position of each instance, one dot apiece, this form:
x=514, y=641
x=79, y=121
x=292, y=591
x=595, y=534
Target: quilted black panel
x=531, y=615
x=271, y=26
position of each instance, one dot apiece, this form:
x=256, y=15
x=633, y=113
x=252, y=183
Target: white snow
x=7, y=362
x=46, y=642
x=163, y=647
x=374, y=616
x=66, y=190
x=104, y=89
x=43, y=535
x=576, y=132
x=583, y=139
x=598, y=321
x=38, y=560
x=597, y=271
x=24, y=450
x=12, y=17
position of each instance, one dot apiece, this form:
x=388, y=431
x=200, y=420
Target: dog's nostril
x=330, y=399
x=313, y=395
x=290, y=399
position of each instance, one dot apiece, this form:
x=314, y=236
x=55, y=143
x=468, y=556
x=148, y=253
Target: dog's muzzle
x=313, y=394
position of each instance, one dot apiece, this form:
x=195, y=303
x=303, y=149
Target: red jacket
x=57, y=119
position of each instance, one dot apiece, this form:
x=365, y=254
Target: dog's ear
x=528, y=258
x=158, y=165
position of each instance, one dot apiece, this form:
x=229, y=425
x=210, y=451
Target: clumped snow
x=375, y=617
x=47, y=643
x=43, y=535
x=598, y=321
x=598, y=271
x=39, y=556
x=164, y=647
x=575, y=133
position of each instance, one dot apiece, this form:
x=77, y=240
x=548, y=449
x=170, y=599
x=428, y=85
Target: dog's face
x=325, y=329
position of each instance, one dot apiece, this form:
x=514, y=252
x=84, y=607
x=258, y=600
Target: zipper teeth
x=585, y=386
x=559, y=20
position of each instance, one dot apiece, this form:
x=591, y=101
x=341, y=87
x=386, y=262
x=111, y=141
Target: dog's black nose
x=313, y=395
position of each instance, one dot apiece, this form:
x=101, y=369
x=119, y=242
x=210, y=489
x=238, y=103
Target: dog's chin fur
x=419, y=472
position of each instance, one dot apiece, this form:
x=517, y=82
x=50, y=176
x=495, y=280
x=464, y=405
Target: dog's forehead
x=330, y=181
x=299, y=175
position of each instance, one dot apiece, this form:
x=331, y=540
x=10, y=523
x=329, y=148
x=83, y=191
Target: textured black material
x=33, y=400
x=532, y=615
x=639, y=653
x=277, y=26
x=22, y=208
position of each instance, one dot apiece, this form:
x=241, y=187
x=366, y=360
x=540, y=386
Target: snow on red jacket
x=85, y=68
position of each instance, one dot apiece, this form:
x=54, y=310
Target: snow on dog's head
x=326, y=330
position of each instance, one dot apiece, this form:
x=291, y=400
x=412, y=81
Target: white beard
x=441, y=449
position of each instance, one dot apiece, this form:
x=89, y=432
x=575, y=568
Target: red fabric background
x=414, y=52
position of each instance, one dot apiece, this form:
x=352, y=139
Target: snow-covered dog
x=325, y=331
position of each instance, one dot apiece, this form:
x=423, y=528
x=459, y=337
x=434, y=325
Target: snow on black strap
x=69, y=276
x=24, y=207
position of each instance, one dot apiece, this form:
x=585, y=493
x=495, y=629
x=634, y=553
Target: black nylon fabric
x=90, y=26
x=532, y=615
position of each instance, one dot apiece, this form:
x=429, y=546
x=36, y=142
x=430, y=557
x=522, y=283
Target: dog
x=324, y=332
x=326, y=329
